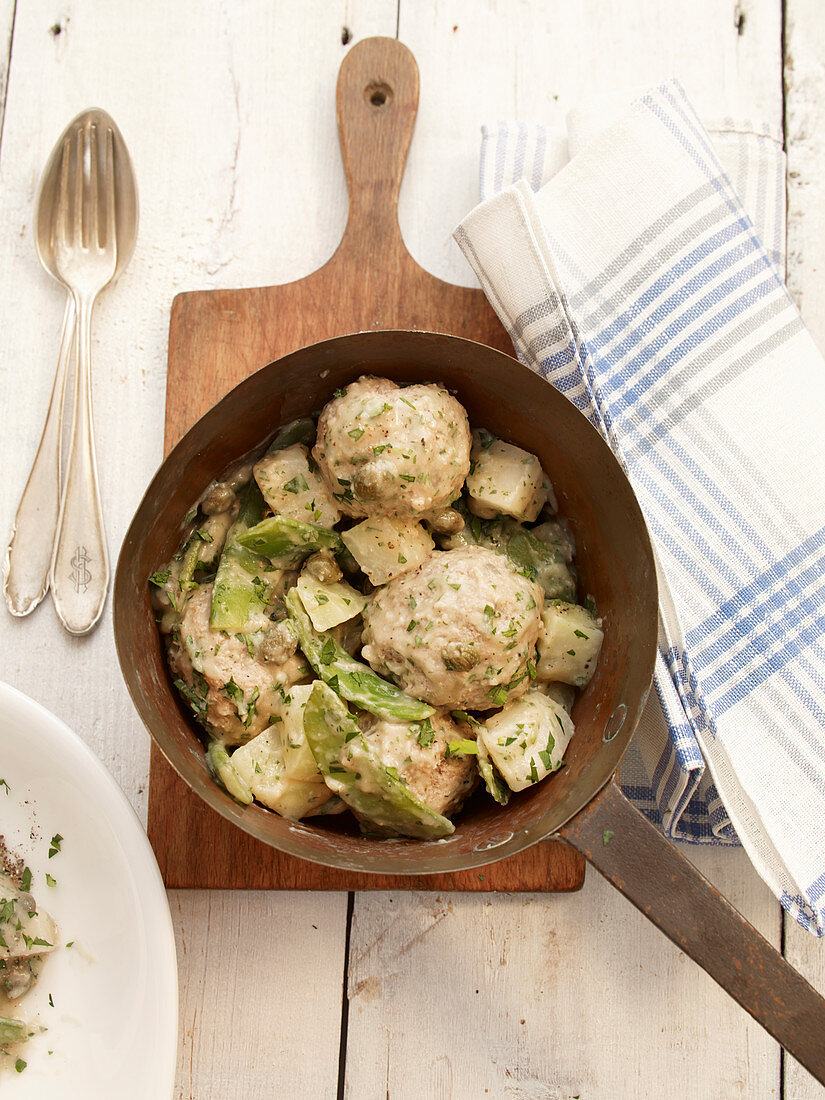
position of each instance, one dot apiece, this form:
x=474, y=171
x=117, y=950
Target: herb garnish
x=296, y=484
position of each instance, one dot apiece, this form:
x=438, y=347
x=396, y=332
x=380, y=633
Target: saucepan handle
x=652, y=873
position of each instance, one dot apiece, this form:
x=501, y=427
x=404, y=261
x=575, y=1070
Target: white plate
x=113, y=1029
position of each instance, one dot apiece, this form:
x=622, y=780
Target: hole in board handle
x=378, y=94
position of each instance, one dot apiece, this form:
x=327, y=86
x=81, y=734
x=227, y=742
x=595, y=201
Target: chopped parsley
x=233, y=692
x=196, y=701
x=26, y=880
x=498, y=694
x=50, y=881
x=356, y=433
x=425, y=732
x=463, y=716
x=159, y=579
x=297, y=484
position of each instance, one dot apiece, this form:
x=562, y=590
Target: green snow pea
x=355, y=680
x=286, y=542
x=353, y=771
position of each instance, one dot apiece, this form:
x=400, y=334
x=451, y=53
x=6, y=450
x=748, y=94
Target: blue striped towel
x=631, y=277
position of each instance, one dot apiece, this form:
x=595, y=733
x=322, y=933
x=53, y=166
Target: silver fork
x=85, y=260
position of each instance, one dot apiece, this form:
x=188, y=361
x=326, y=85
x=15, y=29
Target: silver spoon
x=30, y=551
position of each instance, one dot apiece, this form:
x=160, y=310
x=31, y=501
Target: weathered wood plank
x=228, y=111
x=576, y=995
x=260, y=993
x=534, y=61
x=805, y=140
x=551, y=997
x=6, y=31
x=234, y=141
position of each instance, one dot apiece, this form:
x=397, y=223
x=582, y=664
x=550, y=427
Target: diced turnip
x=292, y=487
x=505, y=479
x=385, y=546
x=527, y=739
x=569, y=644
x=329, y=604
x=563, y=694
x=278, y=766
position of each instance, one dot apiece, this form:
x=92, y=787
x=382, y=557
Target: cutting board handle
x=377, y=100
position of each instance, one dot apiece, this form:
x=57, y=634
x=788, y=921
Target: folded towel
x=635, y=282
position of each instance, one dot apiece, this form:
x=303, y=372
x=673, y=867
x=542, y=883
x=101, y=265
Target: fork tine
x=79, y=189
x=94, y=169
x=61, y=228
x=109, y=190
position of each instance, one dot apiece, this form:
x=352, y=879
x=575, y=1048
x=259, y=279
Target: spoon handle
x=29, y=555
x=80, y=566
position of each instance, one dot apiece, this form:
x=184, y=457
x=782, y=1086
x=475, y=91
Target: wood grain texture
x=226, y=109
x=233, y=188
x=242, y=1038
x=218, y=337
x=546, y=998
x=805, y=143
x=612, y=1011
x=532, y=61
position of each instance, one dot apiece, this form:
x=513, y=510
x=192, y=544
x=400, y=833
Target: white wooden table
x=228, y=109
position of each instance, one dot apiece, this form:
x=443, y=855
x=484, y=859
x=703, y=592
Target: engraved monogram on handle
x=80, y=575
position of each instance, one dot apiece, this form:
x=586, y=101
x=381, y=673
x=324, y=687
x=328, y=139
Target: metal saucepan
x=581, y=804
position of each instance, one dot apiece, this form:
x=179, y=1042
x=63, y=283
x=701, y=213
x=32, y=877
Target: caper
x=280, y=642
x=240, y=477
x=323, y=567
x=370, y=482
x=446, y=521
x=220, y=498
x=459, y=656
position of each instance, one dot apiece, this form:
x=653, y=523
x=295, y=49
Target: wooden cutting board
x=219, y=337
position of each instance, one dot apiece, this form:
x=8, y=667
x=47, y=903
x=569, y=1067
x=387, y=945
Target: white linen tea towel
x=635, y=282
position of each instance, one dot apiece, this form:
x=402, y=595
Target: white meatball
x=459, y=631
x=233, y=691
x=418, y=752
x=388, y=450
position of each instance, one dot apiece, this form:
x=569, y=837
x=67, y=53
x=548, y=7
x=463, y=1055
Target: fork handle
x=29, y=555
x=80, y=566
